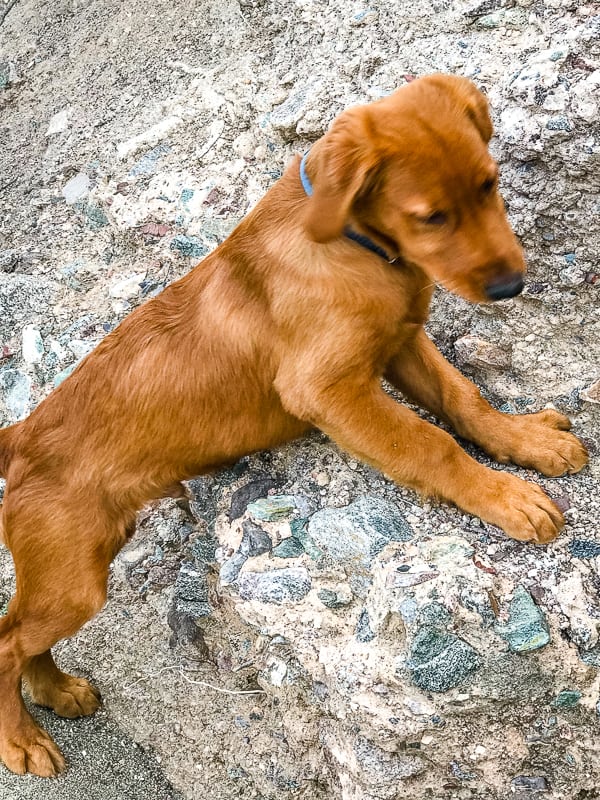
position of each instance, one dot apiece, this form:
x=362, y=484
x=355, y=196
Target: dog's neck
x=359, y=238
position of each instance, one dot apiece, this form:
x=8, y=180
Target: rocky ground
x=304, y=628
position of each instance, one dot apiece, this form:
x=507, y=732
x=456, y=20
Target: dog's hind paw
x=68, y=697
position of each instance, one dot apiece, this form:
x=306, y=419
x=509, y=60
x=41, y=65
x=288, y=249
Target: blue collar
x=363, y=241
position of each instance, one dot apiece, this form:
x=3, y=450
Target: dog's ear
x=468, y=97
x=478, y=111
x=339, y=170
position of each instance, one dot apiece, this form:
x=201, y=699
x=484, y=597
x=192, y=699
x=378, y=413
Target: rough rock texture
x=391, y=648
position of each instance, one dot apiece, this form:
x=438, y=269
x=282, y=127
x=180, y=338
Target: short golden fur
x=287, y=325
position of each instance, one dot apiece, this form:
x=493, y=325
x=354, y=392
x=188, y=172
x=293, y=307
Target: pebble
x=584, y=548
x=334, y=600
x=473, y=351
x=16, y=387
x=191, y=590
x=254, y=542
x=148, y=163
x=532, y=784
x=95, y=216
x=76, y=188
x=288, y=585
x=32, y=347
x=568, y=698
x=363, y=630
x=59, y=123
x=273, y=508
x=288, y=114
x=63, y=374
x=189, y=246
x=8, y=74
x=591, y=394
x=379, y=765
x=9, y=260
x=127, y=288
x=526, y=629
x=289, y=548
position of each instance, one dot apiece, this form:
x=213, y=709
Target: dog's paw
x=523, y=510
x=68, y=697
x=542, y=442
x=31, y=750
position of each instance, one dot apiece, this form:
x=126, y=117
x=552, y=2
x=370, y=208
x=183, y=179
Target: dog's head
x=413, y=172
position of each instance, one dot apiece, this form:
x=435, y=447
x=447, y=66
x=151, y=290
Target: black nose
x=502, y=288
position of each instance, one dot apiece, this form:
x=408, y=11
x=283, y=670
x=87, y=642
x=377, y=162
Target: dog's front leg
x=539, y=441
x=366, y=422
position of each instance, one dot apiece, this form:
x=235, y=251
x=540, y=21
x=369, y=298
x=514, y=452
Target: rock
x=259, y=487
x=356, y=533
x=286, y=116
x=439, y=661
x=363, y=630
x=9, y=260
x=81, y=348
x=289, y=548
x=273, y=508
x=16, y=388
x=189, y=246
x=59, y=123
x=584, y=548
x=530, y=784
x=364, y=17
x=33, y=347
x=76, y=188
x=95, y=216
x=382, y=767
x=186, y=630
x=568, y=698
x=591, y=394
x=526, y=629
x=127, y=288
x=254, y=542
x=63, y=374
x=334, y=600
x=8, y=74
x=277, y=586
x=191, y=591
x=574, y=602
x=148, y=163
x=475, y=352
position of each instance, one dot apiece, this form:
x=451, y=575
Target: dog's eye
x=488, y=186
x=436, y=218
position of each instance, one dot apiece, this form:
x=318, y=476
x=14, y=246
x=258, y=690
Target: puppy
x=290, y=324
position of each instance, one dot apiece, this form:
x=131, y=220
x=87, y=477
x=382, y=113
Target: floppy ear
x=339, y=169
x=473, y=103
x=478, y=111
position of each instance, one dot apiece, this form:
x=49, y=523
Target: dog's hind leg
x=61, y=570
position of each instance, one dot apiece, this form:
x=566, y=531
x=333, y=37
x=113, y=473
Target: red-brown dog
x=291, y=323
